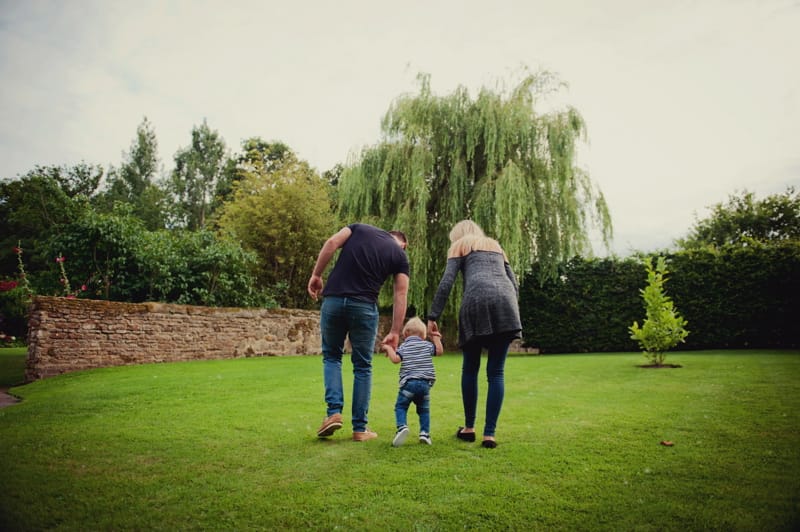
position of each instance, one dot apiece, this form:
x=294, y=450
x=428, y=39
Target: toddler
x=417, y=375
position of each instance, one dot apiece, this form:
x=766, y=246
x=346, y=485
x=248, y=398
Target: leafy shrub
x=663, y=328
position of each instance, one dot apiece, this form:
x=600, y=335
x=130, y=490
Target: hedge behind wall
x=734, y=297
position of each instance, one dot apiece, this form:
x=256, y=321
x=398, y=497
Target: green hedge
x=732, y=297
x=739, y=296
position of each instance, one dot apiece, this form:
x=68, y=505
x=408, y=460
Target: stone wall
x=77, y=334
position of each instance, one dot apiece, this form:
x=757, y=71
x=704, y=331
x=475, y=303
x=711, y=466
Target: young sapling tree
x=663, y=327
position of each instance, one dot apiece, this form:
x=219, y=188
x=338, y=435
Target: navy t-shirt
x=366, y=259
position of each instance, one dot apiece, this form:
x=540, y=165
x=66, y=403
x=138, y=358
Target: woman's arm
x=445, y=285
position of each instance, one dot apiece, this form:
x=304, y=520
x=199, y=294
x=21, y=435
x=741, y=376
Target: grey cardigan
x=490, y=303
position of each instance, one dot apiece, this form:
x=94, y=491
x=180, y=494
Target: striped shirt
x=416, y=355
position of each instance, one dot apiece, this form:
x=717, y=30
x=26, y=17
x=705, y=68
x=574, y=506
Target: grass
x=229, y=445
x=12, y=366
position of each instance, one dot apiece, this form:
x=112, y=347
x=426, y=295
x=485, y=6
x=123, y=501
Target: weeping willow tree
x=494, y=160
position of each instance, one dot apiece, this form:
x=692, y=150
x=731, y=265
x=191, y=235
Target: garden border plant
x=663, y=328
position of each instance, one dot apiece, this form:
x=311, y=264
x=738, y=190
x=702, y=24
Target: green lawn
x=12, y=366
x=229, y=445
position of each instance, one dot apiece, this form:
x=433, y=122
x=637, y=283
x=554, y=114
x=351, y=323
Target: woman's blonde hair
x=415, y=327
x=464, y=228
x=467, y=236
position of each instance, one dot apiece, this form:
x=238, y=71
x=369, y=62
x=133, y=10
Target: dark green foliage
x=99, y=253
x=745, y=219
x=79, y=180
x=32, y=209
x=588, y=307
x=733, y=297
x=739, y=296
x=112, y=256
x=13, y=314
x=198, y=268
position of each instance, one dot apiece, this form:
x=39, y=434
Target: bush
x=739, y=296
x=663, y=328
x=588, y=307
x=733, y=297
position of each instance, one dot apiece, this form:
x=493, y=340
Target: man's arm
x=325, y=255
x=398, y=309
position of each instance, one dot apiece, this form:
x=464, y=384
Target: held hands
x=435, y=337
x=390, y=352
x=392, y=339
x=385, y=349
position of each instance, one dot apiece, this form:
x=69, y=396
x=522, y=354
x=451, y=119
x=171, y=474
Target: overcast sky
x=686, y=102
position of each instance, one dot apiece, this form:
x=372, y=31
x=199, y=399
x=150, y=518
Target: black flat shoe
x=465, y=436
x=489, y=444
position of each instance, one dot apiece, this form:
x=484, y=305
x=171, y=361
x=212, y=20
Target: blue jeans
x=497, y=346
x=417, y=391
x=340, y=317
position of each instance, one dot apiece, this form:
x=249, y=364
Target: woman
x=488, y=318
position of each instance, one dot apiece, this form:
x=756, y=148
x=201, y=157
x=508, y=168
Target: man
x=350, y=307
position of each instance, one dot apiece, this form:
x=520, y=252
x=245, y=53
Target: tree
x=743, y=218
x=663, y=327
x=32, y=209
x=198, y=169
x=260, y=155
x=333, y=176
x=198, y=268
x=136, y=181
x=15, y=297
x=141, y=166
x=81, y=179
x=494, y=160
x=112, y=256
x=100, y=252
x=281, y=210
x=257, y=155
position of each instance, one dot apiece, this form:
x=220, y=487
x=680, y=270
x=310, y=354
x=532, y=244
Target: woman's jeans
x=497, y=346
x=417, y=391
x=340, y=317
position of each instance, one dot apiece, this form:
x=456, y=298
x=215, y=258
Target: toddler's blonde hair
x=415, y=327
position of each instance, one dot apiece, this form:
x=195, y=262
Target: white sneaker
x=425, y=438
x=400, y=437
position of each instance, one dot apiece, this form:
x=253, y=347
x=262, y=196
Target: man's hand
x=392, y=339
x=315, y=286
x=391, y=353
